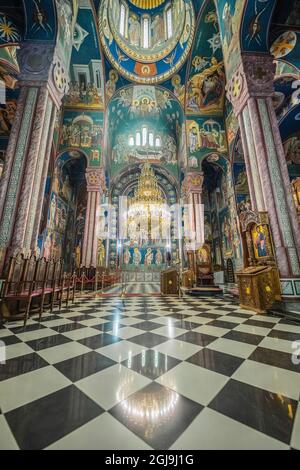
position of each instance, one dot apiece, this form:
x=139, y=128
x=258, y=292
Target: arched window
x=158, y=142
x=151, y=139
x=145, y=135
x=131, y=141
x=138, y=139
x=146, y=33
x=122, y=27
x=169, y=15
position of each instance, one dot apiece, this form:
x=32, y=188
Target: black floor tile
x=99, y=341
x=185, y=324
x=21, y=329
x=106, y=327
x=21, y=365
x=196, y=338
x=146, y=316
x=275, y=358
x=48, y=342
x=262, y=324
x=10, y=340
x=286, y=335
x=67, y=327
x=80, y=318
x=172, y=414
x=45, y=421
x=149, y=340
x=80, y=367
x=223, y=324
x=222, y=363
x=243, y=337
x=264, y=411
x=151, y=363
x=147, y=326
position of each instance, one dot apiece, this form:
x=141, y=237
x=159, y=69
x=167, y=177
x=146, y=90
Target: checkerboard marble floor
x=150, y=373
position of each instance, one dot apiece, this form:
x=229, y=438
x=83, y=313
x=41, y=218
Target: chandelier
x=148, y=191
x=147, y=4
x=148, y=217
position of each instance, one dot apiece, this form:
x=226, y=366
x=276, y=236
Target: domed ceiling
x=147, y=41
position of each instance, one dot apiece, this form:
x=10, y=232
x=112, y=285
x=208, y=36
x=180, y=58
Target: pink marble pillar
x=42, y=89
x=193, y=188
x=95, y=185
x=250, y=91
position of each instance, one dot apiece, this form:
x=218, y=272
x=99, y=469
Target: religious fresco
x=144, y=257
x=66, y=209
x=142, y=66
x=230, y=14
x=204, y=136
x=41, y=20
x=86, y=72
x=145, y=124
x=206, y=83
x=255, y=27
x=83, y=131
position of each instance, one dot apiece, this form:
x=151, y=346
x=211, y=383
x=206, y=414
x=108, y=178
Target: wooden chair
x=57, y=285
x=25, y=282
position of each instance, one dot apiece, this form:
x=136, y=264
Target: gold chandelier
x=147, y=191
x=147, y=4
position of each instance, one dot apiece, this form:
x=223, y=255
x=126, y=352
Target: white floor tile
x=211, y=330
x=121, y=350
x=254, y=330
x=196, y=383
x=102, y=433
x=16, y=350
x=87, y=332
x=179, y=349
x=289, y=328
x=235, y=348
x=169, y=331
x=38, y=334
x=7, y=440
x=25, y=388
x=214, y=431
x=273, y=379
x=277, y=344
x=109, y=387
x=63, y=352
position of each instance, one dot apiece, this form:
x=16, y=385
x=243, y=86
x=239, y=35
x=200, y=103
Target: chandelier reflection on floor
x=148, y=216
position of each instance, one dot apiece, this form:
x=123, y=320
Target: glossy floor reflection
x=150, y=373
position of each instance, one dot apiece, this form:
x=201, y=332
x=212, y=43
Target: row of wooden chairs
x=36, y=284
x=35, y=281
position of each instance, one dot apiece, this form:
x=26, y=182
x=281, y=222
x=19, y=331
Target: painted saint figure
x=137, y=257
x=159, y=258
x=149, y=257
x=127, y=257
x=260, y=242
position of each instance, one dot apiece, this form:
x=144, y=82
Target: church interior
x=149, y=224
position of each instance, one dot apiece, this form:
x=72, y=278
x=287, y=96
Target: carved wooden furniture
x=25, y=281
x=204, y=270
x=187, y=279
x=169, y=282
x=259, y=283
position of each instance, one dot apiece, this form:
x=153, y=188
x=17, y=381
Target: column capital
x=254, y=77
x=40, y=65
x=193, y=182
x=95, y=178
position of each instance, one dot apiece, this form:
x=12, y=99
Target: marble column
x=193, y=189
x=43, y=82
x=95, y=186
x=250, y=90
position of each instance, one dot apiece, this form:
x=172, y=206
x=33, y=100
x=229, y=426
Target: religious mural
x=204, y=136
x=83, y=131
x=154, y=62
x=205, y=88
x=87, y=81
